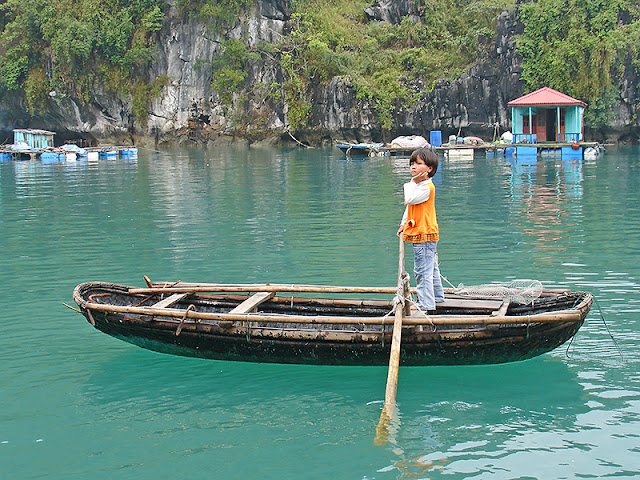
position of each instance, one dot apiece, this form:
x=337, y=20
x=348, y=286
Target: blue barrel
x=51, y=157
x=435, y=138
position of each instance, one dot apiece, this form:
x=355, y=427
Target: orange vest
x=422, y=225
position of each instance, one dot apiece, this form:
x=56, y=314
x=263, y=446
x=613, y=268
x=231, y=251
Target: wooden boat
x=291, y=324
x=360, y=149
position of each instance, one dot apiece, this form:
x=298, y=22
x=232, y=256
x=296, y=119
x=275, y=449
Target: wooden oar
x=259, y=287
x=382, y=431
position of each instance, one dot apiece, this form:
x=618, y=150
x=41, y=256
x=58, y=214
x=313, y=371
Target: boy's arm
x=403, y=222
x=415, y=193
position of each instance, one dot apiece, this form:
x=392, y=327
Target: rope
x=397, y=299
x=427, y=316
x=298, y=141
x=446, y=280
x=609, y=331
x=190, y=307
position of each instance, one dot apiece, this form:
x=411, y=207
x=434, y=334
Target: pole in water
x=382, y=431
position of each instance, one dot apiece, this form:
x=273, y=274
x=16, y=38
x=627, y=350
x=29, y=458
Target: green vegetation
x=66, y=45
x=334, y=38
x=579, y=47
x=143, y=94
x=219, y=15
x=230, y=68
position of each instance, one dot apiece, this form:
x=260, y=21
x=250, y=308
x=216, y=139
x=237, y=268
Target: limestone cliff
x=189, y=111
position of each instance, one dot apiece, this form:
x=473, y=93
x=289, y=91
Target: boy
x=420, y=227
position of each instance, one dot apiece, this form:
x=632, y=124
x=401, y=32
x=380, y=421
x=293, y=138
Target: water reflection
x=496, y=421
x=546, y=204
x=265, y=204
x=100, y=405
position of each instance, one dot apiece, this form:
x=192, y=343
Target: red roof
x=545, y=97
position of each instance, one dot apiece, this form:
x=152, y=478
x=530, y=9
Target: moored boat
x=360, y=149
x=260, y=323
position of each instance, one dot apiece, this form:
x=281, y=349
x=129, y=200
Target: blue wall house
x=34, y=138
x=547, y=115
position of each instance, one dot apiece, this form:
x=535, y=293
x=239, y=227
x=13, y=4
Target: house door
x=541, y=131
x=551, y=125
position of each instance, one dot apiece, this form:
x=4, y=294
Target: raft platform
x=569, y=150
x=59, y=155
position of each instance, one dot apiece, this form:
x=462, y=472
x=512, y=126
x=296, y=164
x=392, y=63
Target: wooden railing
x=568, y=137
x=525, y=138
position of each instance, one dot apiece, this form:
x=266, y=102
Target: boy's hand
x=400, y=230
x=420, y=177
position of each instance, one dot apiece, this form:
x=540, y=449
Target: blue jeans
x=425, y=268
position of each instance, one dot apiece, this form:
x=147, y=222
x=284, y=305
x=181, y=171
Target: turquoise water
x=79, y=404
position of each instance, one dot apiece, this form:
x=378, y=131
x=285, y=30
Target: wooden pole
x=571, y=315
x=186, y=287
x=259, y=287
x=382, y=431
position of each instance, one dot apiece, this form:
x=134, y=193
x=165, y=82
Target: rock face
x=626, y=113
x=189, y=111
x=474, y=102
x=393, y=11
x=479, y=97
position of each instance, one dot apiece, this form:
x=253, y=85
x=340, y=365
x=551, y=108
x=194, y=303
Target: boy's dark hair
x=428, y=156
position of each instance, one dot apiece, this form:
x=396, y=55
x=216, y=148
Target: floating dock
x=573, y=150
x=59, y=154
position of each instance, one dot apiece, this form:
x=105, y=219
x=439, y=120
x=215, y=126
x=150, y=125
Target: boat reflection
x=464, y=418
x=546, y=201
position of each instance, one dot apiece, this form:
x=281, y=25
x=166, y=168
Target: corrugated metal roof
x=34, y=131
x=545, y=97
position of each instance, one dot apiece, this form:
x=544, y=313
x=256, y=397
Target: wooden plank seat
x=502, y=311
x=170, y=300
x=467, y=304
x=251, y=303
x=470, y=303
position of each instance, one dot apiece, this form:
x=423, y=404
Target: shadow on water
x=244, y=405
x=450, y=416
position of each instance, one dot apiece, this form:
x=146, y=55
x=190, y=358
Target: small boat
x=72, y=148
x=108, y=153
x=293, y=324
x=591, y=153
x=360, y=149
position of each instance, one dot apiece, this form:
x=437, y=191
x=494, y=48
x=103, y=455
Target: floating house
x=33, y=138
x=547, y=115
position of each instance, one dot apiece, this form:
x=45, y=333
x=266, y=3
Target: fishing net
x=516, y=291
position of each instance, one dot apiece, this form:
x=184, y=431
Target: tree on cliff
x=77, y=47
x=71, y=46
x=581, y=47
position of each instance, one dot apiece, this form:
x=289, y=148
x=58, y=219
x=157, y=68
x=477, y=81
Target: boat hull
x=431, y=348
x=179, y=331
